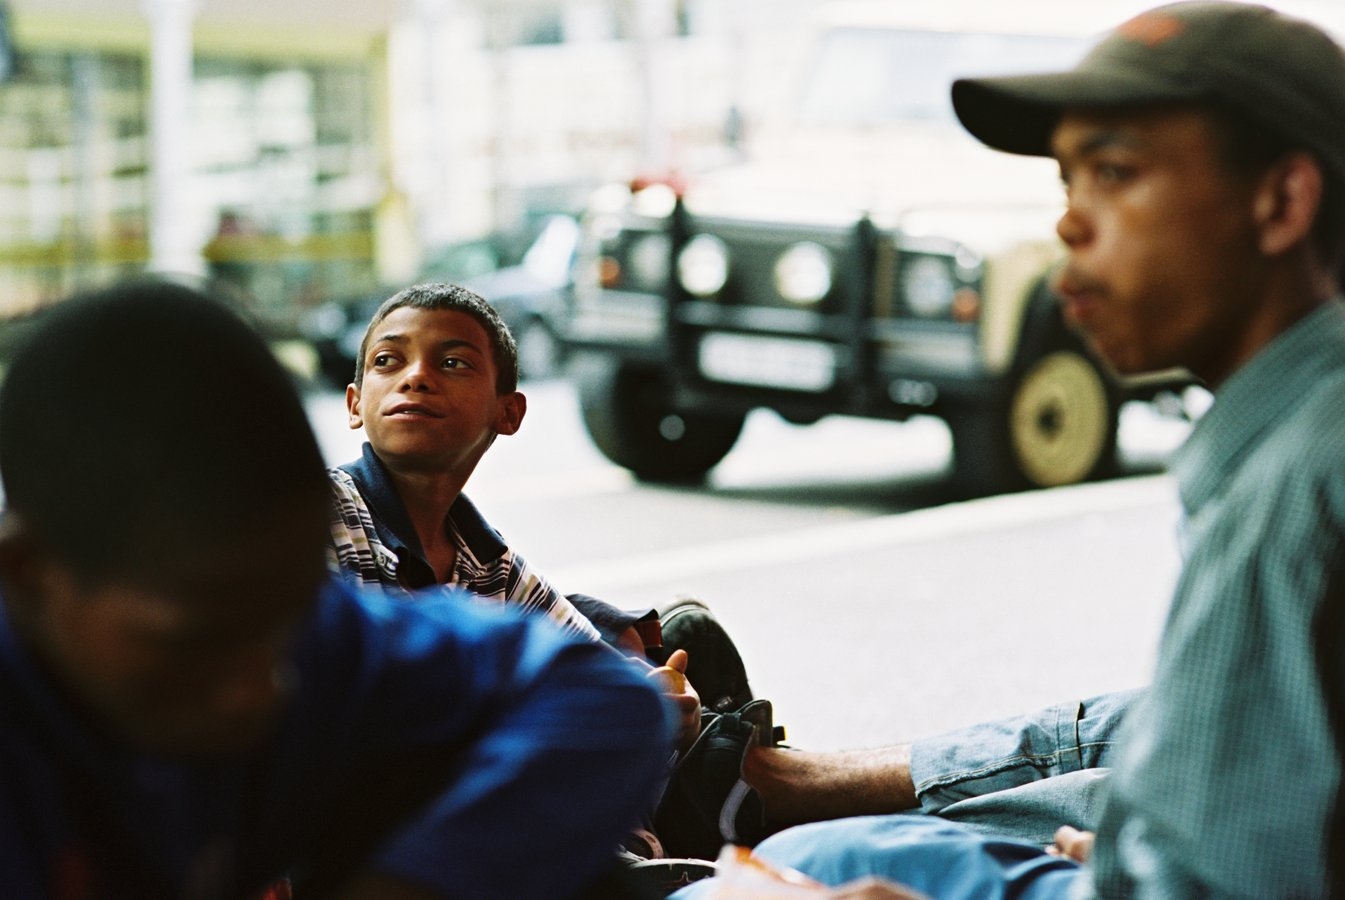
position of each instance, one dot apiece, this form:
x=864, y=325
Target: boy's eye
x=1112, y=173
x=382, y=359
x=454, y=362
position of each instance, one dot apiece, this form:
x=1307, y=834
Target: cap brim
x=1018, y=113
x=610, y=621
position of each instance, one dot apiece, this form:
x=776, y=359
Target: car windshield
x=870, y=77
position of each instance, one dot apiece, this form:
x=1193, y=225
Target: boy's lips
x=412, y=409
x=1080, y=298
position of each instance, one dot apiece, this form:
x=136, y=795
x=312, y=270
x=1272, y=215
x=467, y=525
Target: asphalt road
x=869, y=606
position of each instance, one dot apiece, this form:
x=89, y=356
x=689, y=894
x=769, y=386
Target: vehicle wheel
x=1057, y=427
x=629, y=417
x=538, y=351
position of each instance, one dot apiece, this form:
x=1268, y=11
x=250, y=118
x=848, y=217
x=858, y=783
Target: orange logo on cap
x=1151, y=28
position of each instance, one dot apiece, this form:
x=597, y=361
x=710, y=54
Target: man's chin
x=215, y=742
x=1111, y=356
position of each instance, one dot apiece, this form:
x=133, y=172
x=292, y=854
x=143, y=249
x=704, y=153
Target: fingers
x=671, y=680
x=685, y=703
x=688, y=708
x=673, y=675
x=682, y=695
x=1072, y=843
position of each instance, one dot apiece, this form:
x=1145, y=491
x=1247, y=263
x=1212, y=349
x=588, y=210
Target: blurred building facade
x=330, y=148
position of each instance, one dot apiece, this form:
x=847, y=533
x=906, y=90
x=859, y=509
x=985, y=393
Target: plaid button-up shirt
x=1229, y=778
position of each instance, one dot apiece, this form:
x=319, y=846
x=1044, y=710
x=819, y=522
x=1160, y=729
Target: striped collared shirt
x=372, y=541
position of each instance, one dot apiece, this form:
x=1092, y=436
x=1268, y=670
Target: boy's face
x=191, y=663
x=428, y=401
x=1163, y=257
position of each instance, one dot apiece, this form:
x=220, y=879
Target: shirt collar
x=389, y=514
x=1257, y=395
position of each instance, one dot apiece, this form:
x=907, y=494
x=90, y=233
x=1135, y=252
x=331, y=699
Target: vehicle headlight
x=928, y=287
x=703, y=265
x=648, y=260
x=656, y=201
x=803, y=273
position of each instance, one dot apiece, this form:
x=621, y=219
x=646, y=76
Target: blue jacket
x=477, y=752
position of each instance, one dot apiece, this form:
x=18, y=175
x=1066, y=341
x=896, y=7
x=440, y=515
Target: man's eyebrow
x=391, y=337
x=1101, y=139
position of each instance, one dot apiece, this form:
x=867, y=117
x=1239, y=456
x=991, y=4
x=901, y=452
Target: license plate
x=768, y=361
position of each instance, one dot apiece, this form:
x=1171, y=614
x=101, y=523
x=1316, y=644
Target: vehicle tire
x=1057, y=426
x=539, y=352
x=630, y=418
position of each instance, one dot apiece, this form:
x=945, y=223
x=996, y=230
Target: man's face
x=1163, y=260
x=192, y=662
x=428, y=400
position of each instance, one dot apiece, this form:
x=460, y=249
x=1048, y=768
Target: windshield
x=869, y=77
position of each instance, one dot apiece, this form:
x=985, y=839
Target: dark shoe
x=707, y=803
x=714, y=666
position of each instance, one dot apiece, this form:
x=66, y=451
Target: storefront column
x=655, y=24
x=172, y=247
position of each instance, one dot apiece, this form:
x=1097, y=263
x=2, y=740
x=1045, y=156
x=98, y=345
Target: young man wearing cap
x=189, y=705
x=1202, y=148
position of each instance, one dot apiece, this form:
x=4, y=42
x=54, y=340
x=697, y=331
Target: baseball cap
x=1280, y=72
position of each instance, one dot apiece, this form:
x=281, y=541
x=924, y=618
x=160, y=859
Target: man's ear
x=16, y=547
x=38, y=587
x=512, y=408
x=353, y=416
x=23, y=566
x=1286, y=203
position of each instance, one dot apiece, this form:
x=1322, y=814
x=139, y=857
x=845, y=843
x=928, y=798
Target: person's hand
x=1072, y=843
x=873, y=889
x=743, y=876
x=673, y=680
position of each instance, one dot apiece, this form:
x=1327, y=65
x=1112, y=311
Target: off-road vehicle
x=872, y=261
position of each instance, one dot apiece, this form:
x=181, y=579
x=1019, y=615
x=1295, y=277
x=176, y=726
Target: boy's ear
x=512, y=408
x=353, y=416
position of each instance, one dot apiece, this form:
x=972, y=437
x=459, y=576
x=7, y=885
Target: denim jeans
x=991, y=796
x=939, y=859
x=1022, y=777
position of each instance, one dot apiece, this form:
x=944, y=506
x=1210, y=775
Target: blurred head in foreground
x=166, y=515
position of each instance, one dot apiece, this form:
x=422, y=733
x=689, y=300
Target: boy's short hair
x=453, y=297
x=142, y=420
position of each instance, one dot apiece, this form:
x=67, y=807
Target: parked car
x=528, y=292
x=532, y=298
x=872, y=261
